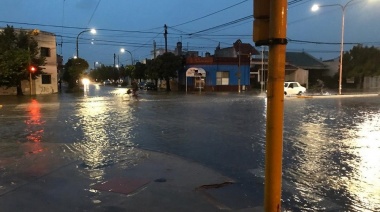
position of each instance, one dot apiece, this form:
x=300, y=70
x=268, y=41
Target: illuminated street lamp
x=32, y=69
x=343, y=7
x=95, y=63
x=93, y=31
x=122, y=50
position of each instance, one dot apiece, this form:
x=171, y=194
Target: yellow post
x=275, y=109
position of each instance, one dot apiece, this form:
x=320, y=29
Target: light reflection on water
x=106, y=134
x=34, y=123
x=334, y=155
x=364, y=182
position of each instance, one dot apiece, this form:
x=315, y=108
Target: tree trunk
x=167, y=84
x=19, y=90
x=361, y=80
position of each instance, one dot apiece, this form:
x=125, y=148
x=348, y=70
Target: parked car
x=293, y=88
x=150, y=86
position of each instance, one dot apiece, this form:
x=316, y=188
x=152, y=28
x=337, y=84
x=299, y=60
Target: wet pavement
x=175, y=152
x=150, y=181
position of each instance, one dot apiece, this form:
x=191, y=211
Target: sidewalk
x=337, y=95
x=151, y=181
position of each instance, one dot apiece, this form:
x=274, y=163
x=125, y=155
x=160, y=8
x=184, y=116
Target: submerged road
x=331, y=145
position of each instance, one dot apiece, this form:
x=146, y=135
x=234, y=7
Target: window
x=45, y=52
x=294, y=85
x=46, y=79
x=222, y=78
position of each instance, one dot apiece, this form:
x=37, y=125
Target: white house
x=46, y=83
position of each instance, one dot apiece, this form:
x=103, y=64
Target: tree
x=168, y=65
x=110, y=73
x=139, y=71
x=152, y=70
x=74, y=70
x=18, y=52
x=128, y=70
x=360, y=62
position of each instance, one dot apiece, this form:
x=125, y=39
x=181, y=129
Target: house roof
x=257, y=65
x=304, y=60
x=245, y=48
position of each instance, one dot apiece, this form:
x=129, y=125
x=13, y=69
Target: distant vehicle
x=107, y=82
x=150, y=86
x=293, y=88
x=141, y=85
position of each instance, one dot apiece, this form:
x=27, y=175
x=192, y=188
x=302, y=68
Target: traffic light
x=32, y=68
x=261, y=14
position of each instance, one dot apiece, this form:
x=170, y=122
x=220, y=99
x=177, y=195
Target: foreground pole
x=275, y=109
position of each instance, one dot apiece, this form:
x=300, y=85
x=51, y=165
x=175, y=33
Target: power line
x=78, y=28
x=96, y=8
x=319, y=42
x=223, y=25
x=148, y=41
x=182, y=32
x=300, y=3
x=205, y=16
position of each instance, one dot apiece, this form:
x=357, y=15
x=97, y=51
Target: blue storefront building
x=216, y=74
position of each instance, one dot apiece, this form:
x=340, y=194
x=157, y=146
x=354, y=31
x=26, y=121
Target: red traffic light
x=32, y=69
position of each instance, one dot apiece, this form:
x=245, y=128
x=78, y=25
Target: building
x=316, y=68
x=259, y=74
x=227, y=70
x=46, y=83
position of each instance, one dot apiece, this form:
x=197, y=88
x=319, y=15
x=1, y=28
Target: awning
x=195, y=72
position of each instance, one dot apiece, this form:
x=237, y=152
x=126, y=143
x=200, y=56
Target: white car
x=293, y=88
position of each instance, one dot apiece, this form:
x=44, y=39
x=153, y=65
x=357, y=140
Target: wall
x=371, y=83
x=212, y=65
x=299, y=75
x=46, y=40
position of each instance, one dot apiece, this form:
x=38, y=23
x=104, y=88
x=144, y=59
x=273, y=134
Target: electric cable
x=205, y=16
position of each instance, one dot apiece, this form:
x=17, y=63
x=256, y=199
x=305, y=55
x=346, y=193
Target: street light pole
x=341, y=49
x=93, y=31
x=343, y=7
x=124, y=50
x=31, y=69
x=239, y=72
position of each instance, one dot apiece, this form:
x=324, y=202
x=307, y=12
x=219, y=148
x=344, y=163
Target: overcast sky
x=200, y=24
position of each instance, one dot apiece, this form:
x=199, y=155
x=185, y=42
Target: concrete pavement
x=150, y=181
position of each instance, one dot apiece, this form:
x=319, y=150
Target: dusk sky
x=200, y=24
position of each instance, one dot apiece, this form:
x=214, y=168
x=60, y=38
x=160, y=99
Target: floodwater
x=331, y=151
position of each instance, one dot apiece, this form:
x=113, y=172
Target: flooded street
x=331, y=159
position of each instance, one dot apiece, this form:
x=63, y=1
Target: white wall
x=46, y=40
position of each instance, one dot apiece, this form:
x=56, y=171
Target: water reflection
x=332, y=155
x=363, y=184
x=34, y=123
x=105, y=134
x=34, y=127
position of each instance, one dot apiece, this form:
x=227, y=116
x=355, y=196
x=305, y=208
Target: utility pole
x=166, y=38
x=154, y=49
x=239, y=72
x=114, y=60
x=261, y=73
x=269, y=28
